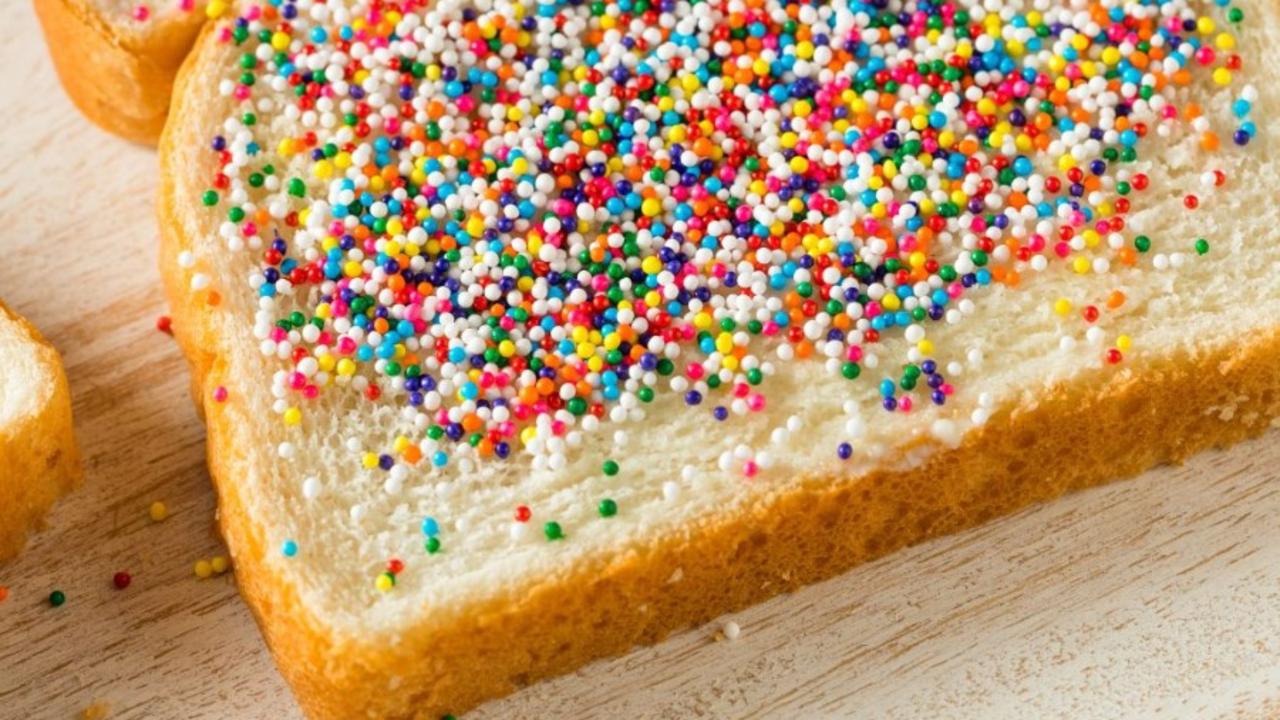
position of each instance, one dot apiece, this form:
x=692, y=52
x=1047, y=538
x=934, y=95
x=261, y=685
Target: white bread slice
x=493, y=611
x=116, y=61
x=39, y=461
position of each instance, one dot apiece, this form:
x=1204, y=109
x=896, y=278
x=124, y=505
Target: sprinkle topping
x=522, y=218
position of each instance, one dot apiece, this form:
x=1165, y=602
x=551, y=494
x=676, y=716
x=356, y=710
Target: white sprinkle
x=670, y=491
x=311, y=488
x=731, y=630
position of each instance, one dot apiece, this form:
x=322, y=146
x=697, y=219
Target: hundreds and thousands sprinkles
x=523, y=217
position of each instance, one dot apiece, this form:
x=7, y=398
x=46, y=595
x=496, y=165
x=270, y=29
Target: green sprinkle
x=1142, y=243
x=433, y=545
x=297, y=188
x=608, y=508
x=610, y=467
x=850, y=370
x=57, y=598
x=210, y=198
x=552, y=531
x=1202, y=246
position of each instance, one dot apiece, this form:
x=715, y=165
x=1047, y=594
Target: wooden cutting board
x=1154, y=596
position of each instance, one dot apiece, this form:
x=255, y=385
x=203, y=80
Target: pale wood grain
x=1159, y=596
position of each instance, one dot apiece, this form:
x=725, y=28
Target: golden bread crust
x=39, y=460
x=1078, y=435
x=120, y=81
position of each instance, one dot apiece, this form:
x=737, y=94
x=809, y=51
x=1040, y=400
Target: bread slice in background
x=119, y=70
x=39, y=461
x=493, y=612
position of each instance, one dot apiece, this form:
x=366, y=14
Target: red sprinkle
x=121, y=580
x=1114, y=356
x=394, y=566
x=164, y=324
x=1191, y=201
x=523, y=513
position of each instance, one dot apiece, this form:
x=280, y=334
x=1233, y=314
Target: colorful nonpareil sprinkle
x=519, y=219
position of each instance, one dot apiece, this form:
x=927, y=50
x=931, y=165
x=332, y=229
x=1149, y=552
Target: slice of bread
x=39, y=461
x=117, y=58
x=400, y=567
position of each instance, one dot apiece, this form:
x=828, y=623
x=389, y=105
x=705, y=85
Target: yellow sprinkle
x=1222, y=76
x=724, y=342
x=203, y=569
x=158, y=511
x=385, y=582
x=219, y=564
x=1062, y=306
x=292, y=416
x=215, y=8
x=1124, y=342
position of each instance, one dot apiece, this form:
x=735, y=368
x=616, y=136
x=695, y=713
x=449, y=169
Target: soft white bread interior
x=39, y=461
x=117, y=58
x=1042, y=412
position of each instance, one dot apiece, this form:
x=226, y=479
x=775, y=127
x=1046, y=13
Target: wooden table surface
x=1157, y=596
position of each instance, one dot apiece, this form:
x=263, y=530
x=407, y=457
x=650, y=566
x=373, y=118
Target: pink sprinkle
x=141, y=13
x=750, y=468
x=220, y=394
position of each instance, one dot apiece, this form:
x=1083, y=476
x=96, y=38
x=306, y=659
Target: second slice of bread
x=117, y=70
x=39, y=461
